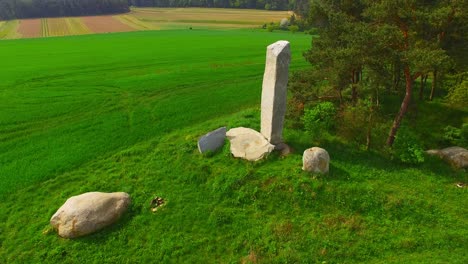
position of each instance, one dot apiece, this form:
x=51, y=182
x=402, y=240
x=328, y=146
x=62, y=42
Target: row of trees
x=366, y=49
x=10, y=9
x=253, y=4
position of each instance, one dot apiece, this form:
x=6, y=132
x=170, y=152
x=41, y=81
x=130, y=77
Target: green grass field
x=123, y=112
x=66, y=101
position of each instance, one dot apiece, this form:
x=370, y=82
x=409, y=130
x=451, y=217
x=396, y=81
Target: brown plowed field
x=30, y=28
x=104, y=24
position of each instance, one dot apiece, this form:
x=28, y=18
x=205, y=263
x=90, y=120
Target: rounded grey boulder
x=315, y=160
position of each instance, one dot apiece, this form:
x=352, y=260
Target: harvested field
x=44, y=27
x=76, y=26
x=105, y=24
x=30, y=28
x=57, y=27
x=135, y=22
x=141, y=19
x=212, y=16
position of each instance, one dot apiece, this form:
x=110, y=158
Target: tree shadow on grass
x=344, y=154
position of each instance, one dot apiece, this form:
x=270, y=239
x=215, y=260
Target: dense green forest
x=375, y=62
x=10, y=9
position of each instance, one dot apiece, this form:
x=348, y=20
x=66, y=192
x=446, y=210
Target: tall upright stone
x=274, y=91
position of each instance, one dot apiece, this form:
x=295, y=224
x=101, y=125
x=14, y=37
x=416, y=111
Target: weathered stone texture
x=86, y=213
x=212, y=141
x=248, y=144
x=456, y=156
x=315, y=160
x=274, y=91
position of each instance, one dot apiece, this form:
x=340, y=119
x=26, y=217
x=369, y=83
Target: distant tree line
x=253, y=4
x=10, y=9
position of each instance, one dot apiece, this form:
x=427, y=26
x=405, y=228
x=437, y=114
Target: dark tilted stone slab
x=212, y=141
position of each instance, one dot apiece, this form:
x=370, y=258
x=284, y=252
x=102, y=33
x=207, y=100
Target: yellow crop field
x=44, y=27
x=76, y=26
x=135, y=23
x=57, y=27
x=212, y=16
x=8, y=29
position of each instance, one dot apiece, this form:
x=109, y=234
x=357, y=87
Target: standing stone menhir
x=274, y=91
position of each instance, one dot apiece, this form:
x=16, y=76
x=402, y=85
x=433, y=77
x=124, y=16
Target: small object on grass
x=156, y=203
x=460, y=184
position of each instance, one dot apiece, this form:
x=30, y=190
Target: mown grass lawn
x=123, y=112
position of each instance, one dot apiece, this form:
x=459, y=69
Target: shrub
x=456, y=136
x=407, y=148
x=293, y=28
x=319, y=118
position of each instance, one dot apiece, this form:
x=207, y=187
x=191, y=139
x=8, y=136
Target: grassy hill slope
x=224, y=210
x=123, y=112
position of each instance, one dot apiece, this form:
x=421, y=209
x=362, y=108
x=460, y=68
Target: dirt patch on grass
x=105, y=24
x=30, y=28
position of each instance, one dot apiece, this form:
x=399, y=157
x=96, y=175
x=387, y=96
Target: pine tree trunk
x=434, y=83
x=403, y=108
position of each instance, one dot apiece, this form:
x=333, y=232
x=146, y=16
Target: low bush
x=407, y=147
x=319, y=119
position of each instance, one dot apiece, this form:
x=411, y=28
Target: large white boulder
x=315, y=160
x=248, y=144
x=86, y=213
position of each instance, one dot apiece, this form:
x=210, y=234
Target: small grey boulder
x=86, y=213
x=456, y=156
x=212, y=141
x=315, y=160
